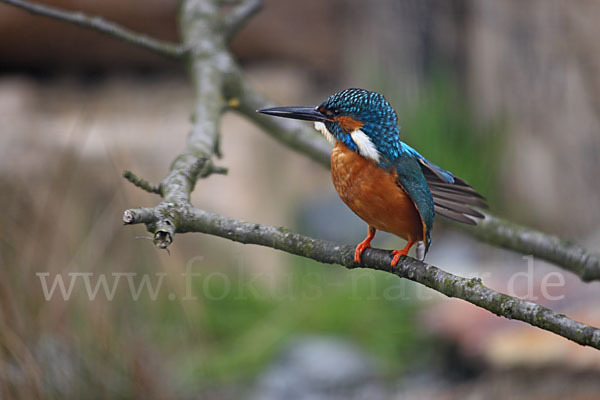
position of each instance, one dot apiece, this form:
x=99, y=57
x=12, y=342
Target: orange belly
x=373, y=195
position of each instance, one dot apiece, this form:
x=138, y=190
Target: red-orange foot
x=399, y=253
x=365, y=244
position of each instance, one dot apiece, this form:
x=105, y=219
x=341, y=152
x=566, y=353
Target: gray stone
x=320, y=368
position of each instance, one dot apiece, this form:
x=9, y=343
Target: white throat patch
x=323, y=129
x=366, y=148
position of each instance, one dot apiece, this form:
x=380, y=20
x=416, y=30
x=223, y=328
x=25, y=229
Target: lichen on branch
x=471, y=290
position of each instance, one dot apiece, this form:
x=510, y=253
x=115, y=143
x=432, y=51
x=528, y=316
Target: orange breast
x=373, y=194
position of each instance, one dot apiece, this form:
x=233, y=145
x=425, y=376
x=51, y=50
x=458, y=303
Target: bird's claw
x=359, y=250
x=397, y=254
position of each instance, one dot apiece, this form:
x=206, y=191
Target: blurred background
x=504, y=94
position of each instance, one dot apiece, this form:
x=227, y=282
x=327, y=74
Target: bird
x=383, y=180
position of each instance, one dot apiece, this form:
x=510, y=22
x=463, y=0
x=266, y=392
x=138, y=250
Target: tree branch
x=493, y=229
x=297, y=135
x=98, y=24
x=210, y=64
x=471, y=290
x=561, y=252
x=239, y=16
x=141, y=182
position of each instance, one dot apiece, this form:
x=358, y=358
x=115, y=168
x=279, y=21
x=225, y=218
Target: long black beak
x=304, y=113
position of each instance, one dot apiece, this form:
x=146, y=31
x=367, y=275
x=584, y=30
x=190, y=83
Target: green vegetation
x=241, y=325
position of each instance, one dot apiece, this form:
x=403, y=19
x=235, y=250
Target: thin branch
x=297, y=135
x=239, y=16
x=98, y=24
x=219, y=170
x=492, y=230
x=510, y=235
x=471, y=290
x=141, y=182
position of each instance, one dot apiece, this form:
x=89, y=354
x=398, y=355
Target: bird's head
x=362, y=120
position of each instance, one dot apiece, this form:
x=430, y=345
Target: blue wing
x=412, y=180
x=452, y=197
x=442, y=174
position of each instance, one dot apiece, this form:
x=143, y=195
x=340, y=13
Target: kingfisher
x=384, y=181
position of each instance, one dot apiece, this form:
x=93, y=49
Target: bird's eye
x=332, y=113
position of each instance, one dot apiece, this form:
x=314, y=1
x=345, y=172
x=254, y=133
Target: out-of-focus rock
x=318, y=368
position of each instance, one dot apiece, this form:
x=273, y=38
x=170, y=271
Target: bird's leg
x=365, y=244
x=399, y=253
